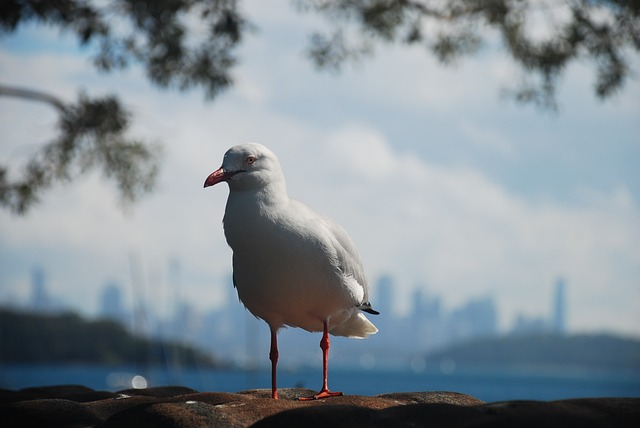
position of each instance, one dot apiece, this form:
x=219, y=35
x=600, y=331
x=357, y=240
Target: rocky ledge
x=78, y=406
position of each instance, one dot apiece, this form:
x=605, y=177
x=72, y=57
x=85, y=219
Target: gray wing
x=349, y=260
x=346, y=257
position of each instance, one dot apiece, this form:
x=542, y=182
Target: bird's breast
x=284, y=272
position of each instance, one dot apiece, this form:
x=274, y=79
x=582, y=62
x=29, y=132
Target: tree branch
x=33, y=95
x=91, y=135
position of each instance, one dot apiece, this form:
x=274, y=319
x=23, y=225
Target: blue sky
x=440, y=181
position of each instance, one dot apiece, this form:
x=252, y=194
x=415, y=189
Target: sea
x=489, y=384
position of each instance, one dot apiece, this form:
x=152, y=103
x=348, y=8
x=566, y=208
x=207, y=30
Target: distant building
x=382, y=300
x=426, y=318
x=476, y=319
x=556, y=323
x=558, y=318
x=111, y=305
x=40, y=301
x=530, y=325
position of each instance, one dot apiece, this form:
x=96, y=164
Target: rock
x=521, y=414
x=161, y=415
x=175, y=407
x=48, y=412
x=433, y=397
x=159, y=391
x=77, y=393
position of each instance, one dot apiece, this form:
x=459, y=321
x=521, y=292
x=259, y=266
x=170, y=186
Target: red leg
x=273, y=356
x=324, y=392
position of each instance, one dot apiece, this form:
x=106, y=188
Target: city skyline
x=40, y=297
x=438, y=180
x=224, y=331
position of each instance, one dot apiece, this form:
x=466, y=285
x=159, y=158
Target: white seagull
x=291, y=265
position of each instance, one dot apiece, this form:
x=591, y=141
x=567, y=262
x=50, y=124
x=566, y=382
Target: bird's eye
x=250, y=160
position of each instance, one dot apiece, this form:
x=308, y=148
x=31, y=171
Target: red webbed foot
x=325, y=393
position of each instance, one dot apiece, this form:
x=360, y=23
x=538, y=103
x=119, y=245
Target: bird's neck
x=272, y=195
x=251, y=214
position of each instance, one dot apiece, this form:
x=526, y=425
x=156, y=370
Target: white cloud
x=361, y=151
x=466, y=235
x=488, y=139
x=451, y=225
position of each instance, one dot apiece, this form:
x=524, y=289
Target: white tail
x=358, y=327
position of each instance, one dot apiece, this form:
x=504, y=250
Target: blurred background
x=494, y=197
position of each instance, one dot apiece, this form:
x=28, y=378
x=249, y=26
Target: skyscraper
x=383, y=295
x=476, y=318
x=558, y=318
x=39, y=300
x=111, y=302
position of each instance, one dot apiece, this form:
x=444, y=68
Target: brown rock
x=292, y=394
x=159, y=391
x=569, y=413
x=203, y=410
x=160, y=415
x=176, y=407
x=324, y=416
x=522, y=414
x=50, y=412
x=105, y=408
x=433, y=397
x=77, y=393
x=617, y=408
x=214, y=398
x=283, y=393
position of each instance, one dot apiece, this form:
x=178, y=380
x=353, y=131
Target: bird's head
x=247, y=166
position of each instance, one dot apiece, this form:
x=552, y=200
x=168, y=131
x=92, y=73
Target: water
x=488, y=384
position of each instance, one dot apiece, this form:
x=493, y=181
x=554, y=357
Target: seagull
x=291, y=266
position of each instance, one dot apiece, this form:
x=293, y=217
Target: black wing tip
x=366, y=307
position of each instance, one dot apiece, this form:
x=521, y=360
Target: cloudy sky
x=440, y=181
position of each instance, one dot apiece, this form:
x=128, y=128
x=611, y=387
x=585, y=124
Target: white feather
x=292, y=266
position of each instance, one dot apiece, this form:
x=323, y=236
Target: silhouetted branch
x=91, y=134
x=31, y=94
x=603, y=32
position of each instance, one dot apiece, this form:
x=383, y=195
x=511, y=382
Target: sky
x=440, y=181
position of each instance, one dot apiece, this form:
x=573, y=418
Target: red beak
x=216, y=177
